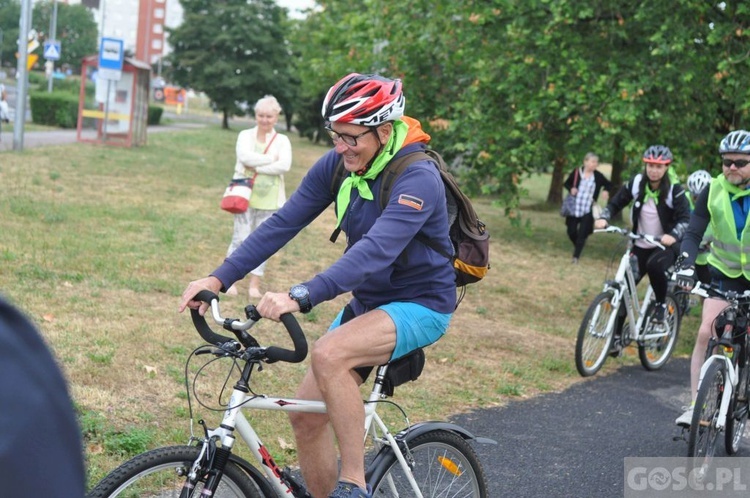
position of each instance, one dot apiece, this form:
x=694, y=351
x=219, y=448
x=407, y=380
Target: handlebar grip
x=200, y=324
x=275, y=353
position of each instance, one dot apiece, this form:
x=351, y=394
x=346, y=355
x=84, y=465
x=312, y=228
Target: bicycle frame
x=234, y=418
x=626, y=291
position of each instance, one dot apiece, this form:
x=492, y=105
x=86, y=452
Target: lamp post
x=53, y=35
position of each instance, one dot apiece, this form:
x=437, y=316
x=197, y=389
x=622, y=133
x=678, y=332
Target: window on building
x=159, y=13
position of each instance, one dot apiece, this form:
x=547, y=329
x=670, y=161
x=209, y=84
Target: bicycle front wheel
x=445, y=465
x=703, y=430
x=738, y=411
x=161, y=473
x=595, y=335
x=654, y=353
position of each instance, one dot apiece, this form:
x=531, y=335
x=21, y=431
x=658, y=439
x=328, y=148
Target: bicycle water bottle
x=634, y=266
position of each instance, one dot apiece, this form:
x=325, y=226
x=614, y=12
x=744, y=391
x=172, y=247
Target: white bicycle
x=596, y=335
x=723, y=398
x=430, y=460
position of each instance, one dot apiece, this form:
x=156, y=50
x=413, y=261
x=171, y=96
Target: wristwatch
x=301, y=294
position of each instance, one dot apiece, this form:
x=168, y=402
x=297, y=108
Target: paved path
x=573, y=443
x=58, y=137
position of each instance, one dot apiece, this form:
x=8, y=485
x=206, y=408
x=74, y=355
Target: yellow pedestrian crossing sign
x=52, y=50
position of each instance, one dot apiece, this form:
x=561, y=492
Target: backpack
x=468, y=234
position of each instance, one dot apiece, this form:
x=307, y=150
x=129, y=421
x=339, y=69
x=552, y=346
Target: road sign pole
x=53, y=36
x=22, y=77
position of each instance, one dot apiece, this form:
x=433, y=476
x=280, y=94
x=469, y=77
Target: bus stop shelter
x=118, y=113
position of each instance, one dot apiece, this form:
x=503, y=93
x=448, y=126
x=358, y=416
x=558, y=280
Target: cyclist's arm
x=699, y=221
x=681, y=212
x=622, y=198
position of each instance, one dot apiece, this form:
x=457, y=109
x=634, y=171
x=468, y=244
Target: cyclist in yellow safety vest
x=724, y=206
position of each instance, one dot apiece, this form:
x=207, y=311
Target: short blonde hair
x=268, y=102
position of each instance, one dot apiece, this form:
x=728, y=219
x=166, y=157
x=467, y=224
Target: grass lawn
x=98, y=244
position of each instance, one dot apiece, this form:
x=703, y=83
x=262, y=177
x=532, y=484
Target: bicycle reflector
x=450, y=465
x=728, y=351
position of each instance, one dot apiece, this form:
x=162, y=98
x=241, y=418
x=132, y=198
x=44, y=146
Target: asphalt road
x=573, y=443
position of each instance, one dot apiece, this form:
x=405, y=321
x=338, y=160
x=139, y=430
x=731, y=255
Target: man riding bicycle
x=403, y=291
x=724, y=205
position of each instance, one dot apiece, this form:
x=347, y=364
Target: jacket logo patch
x=411, y=201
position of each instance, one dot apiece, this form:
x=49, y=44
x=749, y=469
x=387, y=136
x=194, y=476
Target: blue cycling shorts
x=416, y=326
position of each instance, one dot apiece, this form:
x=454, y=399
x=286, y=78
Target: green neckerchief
x=734, y=191
x=650, y=195
x=394, y=144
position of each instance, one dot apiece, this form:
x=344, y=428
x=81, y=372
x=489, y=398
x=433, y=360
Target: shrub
x=154, y=114
x=54, y=109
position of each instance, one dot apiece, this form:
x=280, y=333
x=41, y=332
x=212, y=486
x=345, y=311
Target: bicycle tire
x=703, y=431
x=161, y=473
x=444, y=465
x=737, y=413
x=594, y=337
x=655, y=353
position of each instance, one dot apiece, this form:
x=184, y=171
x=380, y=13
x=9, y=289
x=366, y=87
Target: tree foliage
x=235, y=51
x=510, y=88
x=76, y=31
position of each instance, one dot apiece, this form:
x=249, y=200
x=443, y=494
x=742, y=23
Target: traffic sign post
x=111, y=57
x=52, y=50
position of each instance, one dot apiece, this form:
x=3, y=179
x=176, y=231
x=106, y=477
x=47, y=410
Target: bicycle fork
x=726, y=396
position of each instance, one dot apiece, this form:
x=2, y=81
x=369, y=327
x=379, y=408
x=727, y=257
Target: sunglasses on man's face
x=739, y=163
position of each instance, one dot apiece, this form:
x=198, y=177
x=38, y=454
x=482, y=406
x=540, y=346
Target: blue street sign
x=111, y=57
x=52, y=50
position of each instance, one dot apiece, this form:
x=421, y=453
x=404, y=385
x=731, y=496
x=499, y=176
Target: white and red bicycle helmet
x=364, y=99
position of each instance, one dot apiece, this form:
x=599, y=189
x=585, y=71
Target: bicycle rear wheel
x=738, y=411
x=654, y=353
x=703, y=430
x=445, y=466
x=594, y=335
x=160, y=473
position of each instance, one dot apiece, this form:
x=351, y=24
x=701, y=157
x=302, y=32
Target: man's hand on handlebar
x=186, y=301
x=274, y=304
x=685, y=277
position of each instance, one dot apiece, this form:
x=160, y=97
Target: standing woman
x=585, y=184
x=264, y=155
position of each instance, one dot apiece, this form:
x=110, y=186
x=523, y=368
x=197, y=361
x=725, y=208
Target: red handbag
x=236, y=198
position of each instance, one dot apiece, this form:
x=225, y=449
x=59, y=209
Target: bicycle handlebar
x=633, y=236
x=272, y=353
x=708, y=290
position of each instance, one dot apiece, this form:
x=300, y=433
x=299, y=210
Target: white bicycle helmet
x=697, y=181
x=736, y=141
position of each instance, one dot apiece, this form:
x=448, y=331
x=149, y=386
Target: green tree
x=234, y=51
x=10, y=13
x=76, y=31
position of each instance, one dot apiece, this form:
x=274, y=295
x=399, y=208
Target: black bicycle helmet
x=659, y=154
